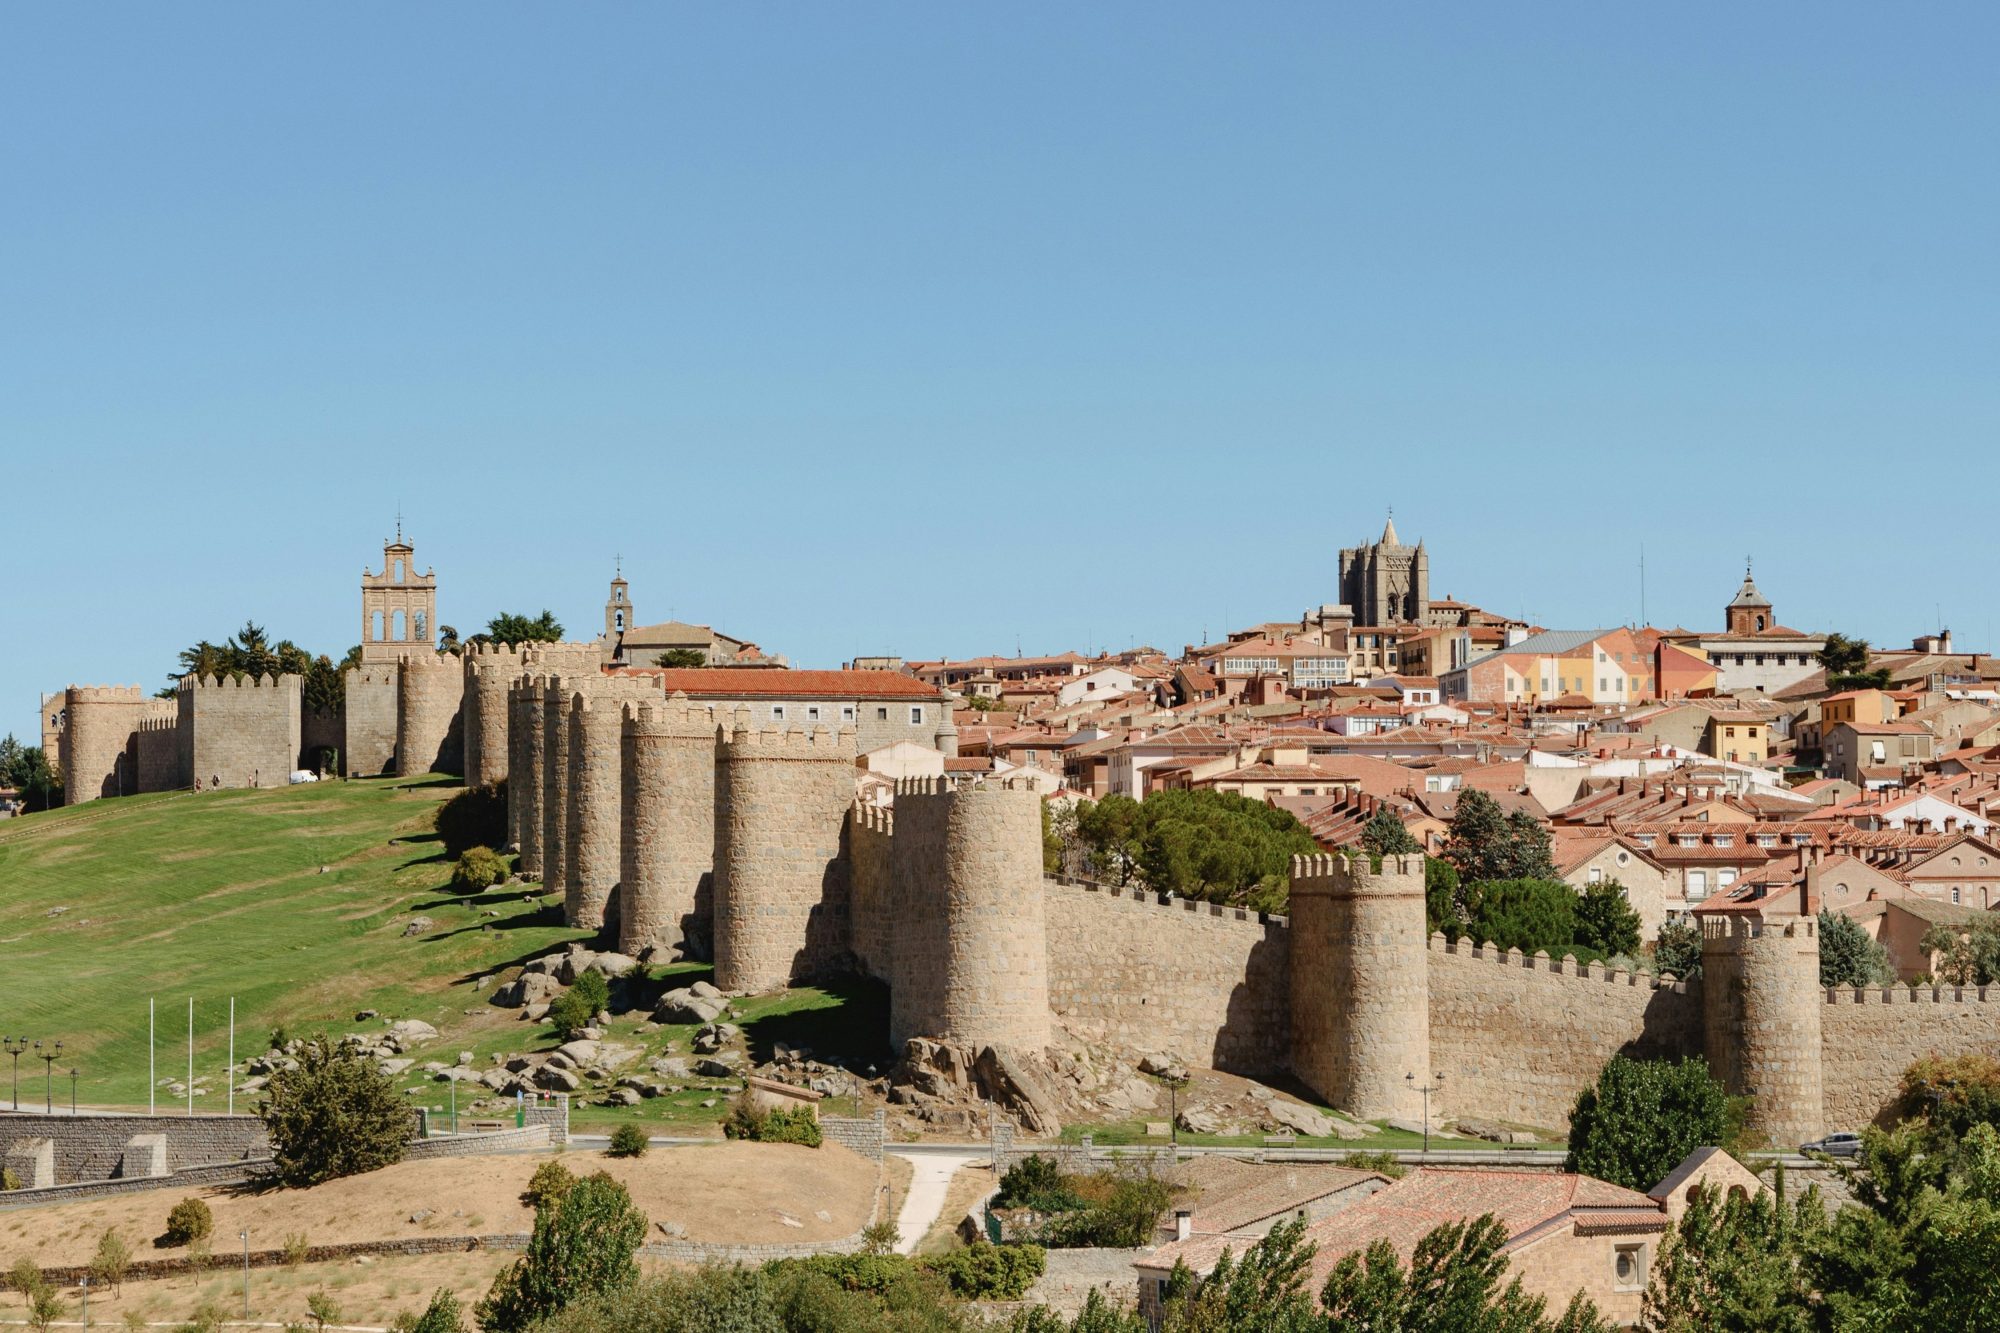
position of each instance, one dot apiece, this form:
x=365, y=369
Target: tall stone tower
x=591, y=838
x=969, y=949
x=781, y=872
x=98, y=757
x=1360, y=983
x=617, y=610
x=1761, y=1009
x=490, y=669
x=398, y=620
x=430, y=724
x=667, y=856
x=1750, y=611
x=1386, y=583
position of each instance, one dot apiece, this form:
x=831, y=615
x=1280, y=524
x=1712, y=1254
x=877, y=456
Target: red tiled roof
x=782, y=683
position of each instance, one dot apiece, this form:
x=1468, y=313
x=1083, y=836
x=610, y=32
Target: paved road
x=929, y=1181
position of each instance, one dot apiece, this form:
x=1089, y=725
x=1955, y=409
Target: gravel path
x=929, y=1184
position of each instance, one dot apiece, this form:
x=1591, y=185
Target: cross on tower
x=619, y=563
x=399, y=524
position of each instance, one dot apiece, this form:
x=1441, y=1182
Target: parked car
x=1834, y=1145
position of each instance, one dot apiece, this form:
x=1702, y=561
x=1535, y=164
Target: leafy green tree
x=681, y=657
x=1643, y=1117
x=448, y=639
x=1386, y=835
x=582, y=1246
x=1453, y=1284
x=1605, y=920
x=26, y=769
x=1966, y=953
x=1848, y=956
x=984, y=1271
x=1732, y=1265
x=1443, y=909
x=322, y=1309
x=1524, y=914
x=1846, y=663
x=475, y=817
x=1264, y=1290
x=1209, y=845
x=1678, y=949
x=577, y=1008
x=335, y=1114
x=108, y=1266
x=1488, y=843
x=512, y=627
x=325, y=689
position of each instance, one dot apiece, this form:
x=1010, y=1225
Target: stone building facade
x=1386, y=582
x=245, y=733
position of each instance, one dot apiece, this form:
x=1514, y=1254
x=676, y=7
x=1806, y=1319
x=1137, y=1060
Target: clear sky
x=932, y=329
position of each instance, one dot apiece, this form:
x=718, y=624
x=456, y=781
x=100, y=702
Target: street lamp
x=1437, y=1081
x=245, y=1234
x=48, y=1059
x=14, y=1046
x=72, y=1092
x=84, y=1282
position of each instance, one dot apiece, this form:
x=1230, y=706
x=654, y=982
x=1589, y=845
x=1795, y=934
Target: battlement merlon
x=1337, y=874
x=821, y=744
x=278, y=682
x=104, y=694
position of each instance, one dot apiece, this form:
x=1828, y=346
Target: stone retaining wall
x=869, y=1137
x=93, y=1147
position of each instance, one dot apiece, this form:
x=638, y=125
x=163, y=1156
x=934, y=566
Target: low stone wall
x=525, y=1139
x=195, y=1177
x=1517, y=1038
x=1206, y=983
x=179, y=1264
x=869, y=1137
x=94, y=1147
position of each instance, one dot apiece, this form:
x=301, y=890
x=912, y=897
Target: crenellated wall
x=1516, y=1037
x=524, y=780
x=781, y=883
x=490, y=671
x=592, y=819
x=556, y=690
x=163, y=746
x=430, y=736
x=98, y=753
x=246, y=729
x=1869, y=1037
x=1762, y=1032
x=372, y=696
x=667, y=827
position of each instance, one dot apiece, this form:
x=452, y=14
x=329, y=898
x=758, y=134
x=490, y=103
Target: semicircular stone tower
x=1762, y=1006
x=781, y=874
x=430, y=690
x=490, y=671
x=969, y=946
x=1360, y=984
x=667, y=852
x=591, y=839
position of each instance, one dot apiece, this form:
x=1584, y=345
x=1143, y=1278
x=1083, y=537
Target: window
x=1628, y=1267
x=1954, y=893
x=1730, y=731
x=812, y=713
x=1724, y=878
x=847, y=712
x=777, y=712
x=1697, y=883
x=916, y=715
x=881, y=715
x=1596, y=874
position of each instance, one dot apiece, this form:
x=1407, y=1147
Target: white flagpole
x=190, y=1055
x=232, y=1055
x=152, y=1057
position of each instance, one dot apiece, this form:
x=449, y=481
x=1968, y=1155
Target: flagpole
x=232, y=1055
x=190, y=1055
x=152, y=1058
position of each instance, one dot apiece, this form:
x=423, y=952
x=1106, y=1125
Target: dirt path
x=930, y=1182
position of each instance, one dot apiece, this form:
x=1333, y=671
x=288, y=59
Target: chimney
x=1951, y=823
x=1183, y=1224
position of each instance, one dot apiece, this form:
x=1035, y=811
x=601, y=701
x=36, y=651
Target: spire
x=1389, y=530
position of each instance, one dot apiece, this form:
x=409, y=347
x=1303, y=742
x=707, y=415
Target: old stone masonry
x=700, y=831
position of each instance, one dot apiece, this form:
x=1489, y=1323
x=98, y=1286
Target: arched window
x=423, y=628
x=399, y=573
x=375, y=627
x=399, y=627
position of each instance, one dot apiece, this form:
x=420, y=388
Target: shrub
x=629, y=1141
x=45, y=1306
x=25, y=1277
x=478, y=868
x=443, y=1315
x=880, y=1236
x=8, y=1180
x=1381, y=1163
x=189, y=1221
x=550, y=1182
x=1036, y=1182
x=476, y=817
x=1678, y=950
x=297, y=1246
x=752, y=1123
x=321, y=1309
x=1605, y=921
x=1643, y=1117
x=1125, y=1216
x=984, y=1271
x=207, y=1318
x=1848, y=955
x=335, y=1114
x=108, y=1265
x=577, y=1008
x=582, y=1246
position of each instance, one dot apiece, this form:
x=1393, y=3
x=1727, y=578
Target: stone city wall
x=1517, y=1037
x=556, y=691
x=874, y=899
x=490, y=671
x=430, y=735
x=1205, y=983
x=97, y=757
x=246, y=729
x=1869, y=1037
x=524, y=780
x=163, y=746
x=666, y=862
x=592, y=833
x=1762, y=1003
x=371, y=720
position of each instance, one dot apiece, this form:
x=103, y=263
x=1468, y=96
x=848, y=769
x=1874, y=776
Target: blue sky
x=931, y=329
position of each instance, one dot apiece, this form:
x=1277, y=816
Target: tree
x=1524, y=914
x=1443, y=909
x=1848, y=956
x=681, y=657
x=1732, y=1265
x=1966, y=954
x=26, y=769
x=1678, y=949
x=1846, y=663
x=321, y=1309
x=1209, y=845
x=113, y=1258
x=1642, y=1119
x=511, y=627
x=442, y=1315
x=1386, y=835
x=325, y=689
x=335, y=1114
x=582, y=1246
x=448, y=639
x=1605, y=920
x=475, y=817
x=1487, y=843
x=1264, y=1290
x=577, y=1008
x=1452, y=1285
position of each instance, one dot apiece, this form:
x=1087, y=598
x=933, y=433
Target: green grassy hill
x=292, y=901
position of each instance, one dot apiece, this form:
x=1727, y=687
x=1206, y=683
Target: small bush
x=8, y=1180
x=577, y=1008
x=752, y=1123
x=1036, y=1182
x=478, y=869
x=113, y=1258
x=476, y=817
x=629, y=1141
x=321, y=1309
x=550, y=1182
x=189, y=1221
x=207, y=1318
x=880, y=1236
x=444, y=1315
x=297, y=1246
x=984, y=1271
x=45, y=1306
x=1381, y=1163
x=25, y=1277
x=335, y=1114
